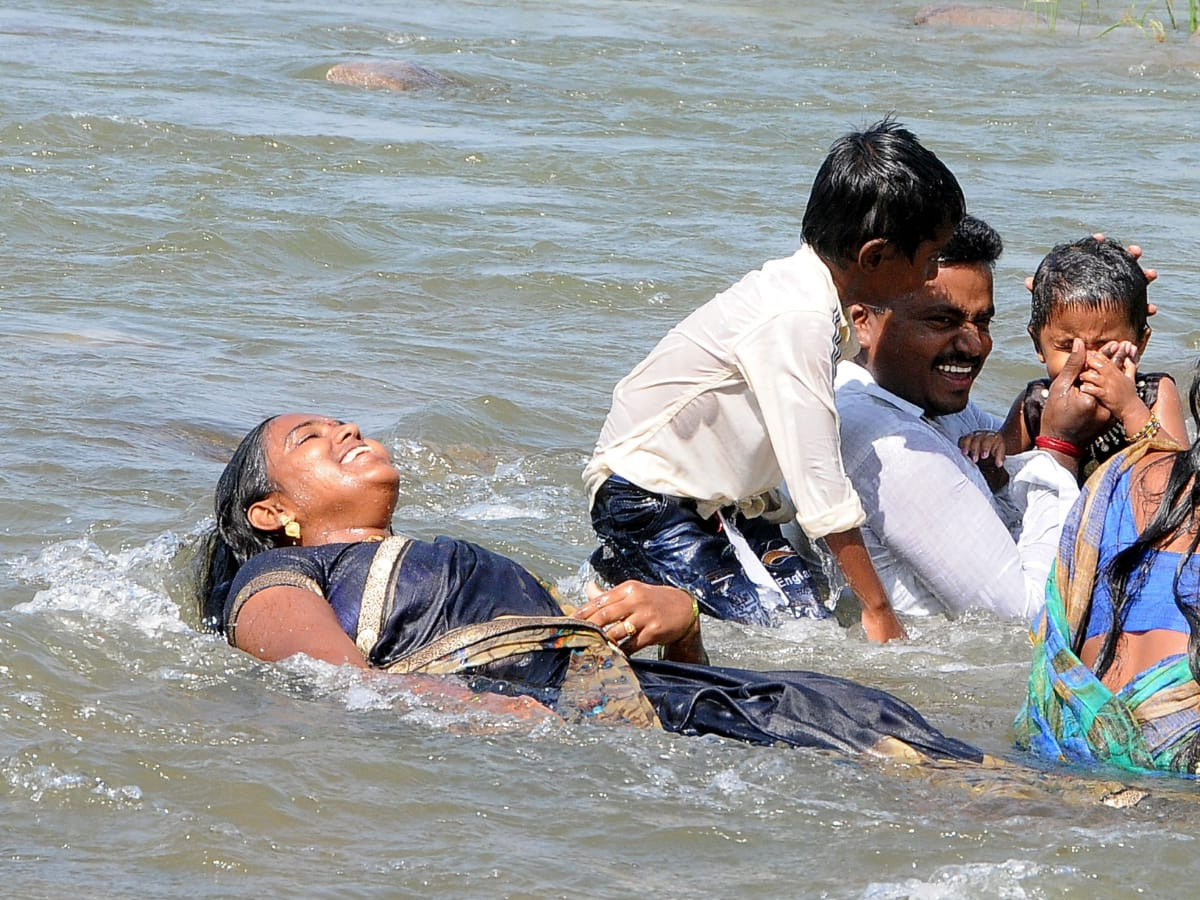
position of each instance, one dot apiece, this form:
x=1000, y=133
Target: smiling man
x=940, y=540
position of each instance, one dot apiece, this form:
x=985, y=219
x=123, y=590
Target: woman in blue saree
x=302, y=559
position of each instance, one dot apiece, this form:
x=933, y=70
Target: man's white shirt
x=941, y=542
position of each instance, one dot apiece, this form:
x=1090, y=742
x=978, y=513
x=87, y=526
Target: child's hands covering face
x=1110, y=377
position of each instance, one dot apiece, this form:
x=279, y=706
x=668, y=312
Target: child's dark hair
x=879, y=183
x=973, y=242
x=1099, y=275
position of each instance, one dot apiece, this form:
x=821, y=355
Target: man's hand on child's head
x=1136, y=252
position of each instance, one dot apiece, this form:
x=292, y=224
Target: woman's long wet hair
x=1128, y=570
x=232, y=540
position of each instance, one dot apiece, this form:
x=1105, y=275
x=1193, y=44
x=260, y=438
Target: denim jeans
x=660, y=539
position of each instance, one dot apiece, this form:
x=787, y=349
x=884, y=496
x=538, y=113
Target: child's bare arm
x=1120, y=395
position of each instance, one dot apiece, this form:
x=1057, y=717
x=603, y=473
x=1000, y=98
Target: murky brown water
x=201, y=230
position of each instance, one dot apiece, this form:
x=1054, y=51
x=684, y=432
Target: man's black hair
x=974, y=241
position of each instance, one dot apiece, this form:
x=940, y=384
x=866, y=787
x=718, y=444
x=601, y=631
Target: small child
x=1095, y=290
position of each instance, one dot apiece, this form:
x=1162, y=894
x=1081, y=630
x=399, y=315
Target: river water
x=201, y=231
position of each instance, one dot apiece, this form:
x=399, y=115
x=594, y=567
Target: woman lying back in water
x=303, y=560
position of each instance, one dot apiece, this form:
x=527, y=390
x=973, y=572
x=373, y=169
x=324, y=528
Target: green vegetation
x=1147, y=20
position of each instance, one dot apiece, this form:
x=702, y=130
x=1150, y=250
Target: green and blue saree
x=1148, y=725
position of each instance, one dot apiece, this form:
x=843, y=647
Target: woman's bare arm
x=1169, y=410
x=282, y=621
x=279, y=622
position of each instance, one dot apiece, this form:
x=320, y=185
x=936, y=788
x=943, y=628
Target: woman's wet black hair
x=879, y=183
x=232, y=540
x=1128, y=570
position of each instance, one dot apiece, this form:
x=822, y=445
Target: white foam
x=82, y=577
x=38, y=782
x=495, y=510
x=978, y=881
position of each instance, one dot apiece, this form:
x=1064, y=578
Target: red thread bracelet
x=1066, y=448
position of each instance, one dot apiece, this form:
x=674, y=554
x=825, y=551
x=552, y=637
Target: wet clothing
x=432, y=590
x=735, y=400
x=738, y=398
x=1069, y=714
x=1151, y=602
x=446, y=584
x=660, y=539
x=1102, y=448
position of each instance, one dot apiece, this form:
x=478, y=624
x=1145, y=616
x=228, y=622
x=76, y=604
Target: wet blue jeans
x=660, y=539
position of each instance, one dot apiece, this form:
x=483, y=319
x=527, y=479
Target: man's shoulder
x=871, y=426
x=796, y=283
x=972, y=418
x=878, y=428
x=856, y=401
x=859, y=398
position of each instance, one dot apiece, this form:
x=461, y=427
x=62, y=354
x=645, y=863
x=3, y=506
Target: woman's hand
x=636, y=615
x=1070, y=414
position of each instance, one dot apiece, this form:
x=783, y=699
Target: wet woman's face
x=324, y=466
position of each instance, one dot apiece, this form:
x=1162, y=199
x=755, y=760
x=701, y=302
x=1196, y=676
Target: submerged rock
x=387, y=76
x=965, y=16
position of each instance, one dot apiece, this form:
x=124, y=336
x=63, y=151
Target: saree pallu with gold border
x=1069, y=714
x=598, y=683
x=451, y=608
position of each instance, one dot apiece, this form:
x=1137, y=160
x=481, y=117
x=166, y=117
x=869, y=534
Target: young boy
x=1094, y=290
x=739, y=397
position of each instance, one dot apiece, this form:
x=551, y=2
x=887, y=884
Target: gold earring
x=291, y=528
